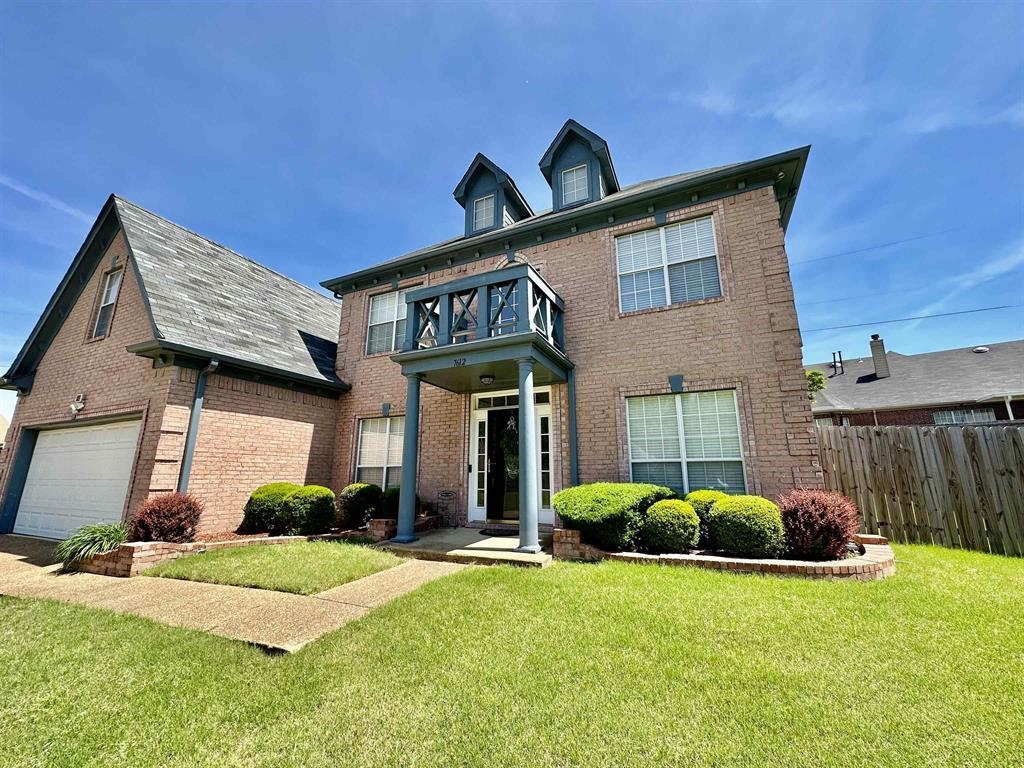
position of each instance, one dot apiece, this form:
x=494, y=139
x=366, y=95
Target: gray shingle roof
x=205, y=296
x=933, y=378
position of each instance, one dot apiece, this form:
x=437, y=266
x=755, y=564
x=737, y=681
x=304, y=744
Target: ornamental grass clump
x=91, y=540
x=167, y=517
x=265, y=506
x=818, y=524
x=608, y=515
x=668, y=526
x=748, y=526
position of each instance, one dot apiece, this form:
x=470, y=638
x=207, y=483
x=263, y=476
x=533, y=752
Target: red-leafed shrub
x=168, y=517
x=818, y=523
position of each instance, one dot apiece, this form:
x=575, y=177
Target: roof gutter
x=604, y=206
x=154, y=347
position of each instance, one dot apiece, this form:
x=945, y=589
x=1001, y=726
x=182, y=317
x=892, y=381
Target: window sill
x=668, y=307
x=376, y=355
x=93, y=339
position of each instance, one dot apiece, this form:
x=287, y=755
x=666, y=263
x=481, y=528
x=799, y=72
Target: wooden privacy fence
x=955, y=486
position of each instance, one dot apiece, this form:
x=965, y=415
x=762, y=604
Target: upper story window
x=574, y=185
x=386, y=326
x=111, y=287
x=483, y=212
x=965, y=416
x=670, y=265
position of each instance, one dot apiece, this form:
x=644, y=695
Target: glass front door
x=494, y=458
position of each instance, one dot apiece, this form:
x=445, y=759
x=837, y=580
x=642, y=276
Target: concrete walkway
x=273, y=620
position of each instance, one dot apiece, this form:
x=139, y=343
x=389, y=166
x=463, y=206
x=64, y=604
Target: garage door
x=77, y=476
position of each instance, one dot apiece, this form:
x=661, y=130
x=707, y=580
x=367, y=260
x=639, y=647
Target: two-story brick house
x=645, y=332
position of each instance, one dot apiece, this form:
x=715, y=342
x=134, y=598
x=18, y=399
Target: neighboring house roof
x=787, y=185
x=204, y=300
x=947, y=377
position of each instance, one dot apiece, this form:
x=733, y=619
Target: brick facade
x=746, y=340
x=909, y=417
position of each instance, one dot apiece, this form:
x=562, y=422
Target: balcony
x=467, y=335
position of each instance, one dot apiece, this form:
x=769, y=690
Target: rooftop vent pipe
x=878, y=357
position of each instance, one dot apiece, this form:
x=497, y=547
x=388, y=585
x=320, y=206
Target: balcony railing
x=510, y=300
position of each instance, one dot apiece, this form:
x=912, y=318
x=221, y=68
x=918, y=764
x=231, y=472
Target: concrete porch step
x=469, y=546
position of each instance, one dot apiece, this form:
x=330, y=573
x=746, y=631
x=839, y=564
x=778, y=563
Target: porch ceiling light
x=487, y=379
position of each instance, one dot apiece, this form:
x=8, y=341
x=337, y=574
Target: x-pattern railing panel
x=464, y=322
x=427, y=318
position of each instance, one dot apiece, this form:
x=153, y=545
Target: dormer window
x=574, y=185
x=483, y=212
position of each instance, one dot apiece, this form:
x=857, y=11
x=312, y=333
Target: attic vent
x=979, y=350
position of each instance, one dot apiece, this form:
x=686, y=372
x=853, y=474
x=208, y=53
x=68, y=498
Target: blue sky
x=321, y=138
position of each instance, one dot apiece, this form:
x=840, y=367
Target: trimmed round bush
x=167, y=517
x=608, y=515
x=308, y=511
x=702, y=502
x=818, y=524
x=670, y=525
x=749, y=526
x=265, y=506
x=357, y=503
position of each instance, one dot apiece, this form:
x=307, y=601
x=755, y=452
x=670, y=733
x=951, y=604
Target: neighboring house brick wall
x=747, y=340
x=113, y=381
x=250, y=434
x=926, y=416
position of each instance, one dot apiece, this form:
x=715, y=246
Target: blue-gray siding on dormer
x=572, y=154
x=483, y=183
x=482, y=178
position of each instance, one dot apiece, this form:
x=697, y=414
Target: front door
x=503, y=464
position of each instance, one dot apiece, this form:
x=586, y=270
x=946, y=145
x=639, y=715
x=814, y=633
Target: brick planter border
x=877, y=562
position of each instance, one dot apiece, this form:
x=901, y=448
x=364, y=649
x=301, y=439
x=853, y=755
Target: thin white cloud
x=43, y=198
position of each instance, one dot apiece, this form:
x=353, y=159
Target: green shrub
x=389, y=503
x=308, y=511
x=265, y=506
x=749, y=526
x=358, y=503
x=702, y=502
x=91, y=540
x=670, y=525
x=607, y=515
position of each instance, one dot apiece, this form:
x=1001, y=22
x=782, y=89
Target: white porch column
x=529, y=515
x=410, y=449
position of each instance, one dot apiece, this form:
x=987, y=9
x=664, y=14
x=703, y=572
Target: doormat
x=499, y=531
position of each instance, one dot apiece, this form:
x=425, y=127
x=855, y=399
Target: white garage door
x=77, y=476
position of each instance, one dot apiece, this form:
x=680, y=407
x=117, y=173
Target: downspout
x=193, y=426
x=574, y=456
x=1009, y=408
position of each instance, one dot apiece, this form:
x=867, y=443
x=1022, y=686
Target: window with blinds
x=386, y=325
x=669, y=265
x=965, y=416
x=379, y=456
x=687, y=442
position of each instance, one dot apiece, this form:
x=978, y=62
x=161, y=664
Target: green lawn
x=598, y=665
x=305, y=568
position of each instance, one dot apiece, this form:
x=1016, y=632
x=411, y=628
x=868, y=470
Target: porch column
x=410, y=446
x=529, y=537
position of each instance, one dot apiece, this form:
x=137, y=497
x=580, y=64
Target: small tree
x=816, y=382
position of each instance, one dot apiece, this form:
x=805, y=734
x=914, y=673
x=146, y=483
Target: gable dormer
x=490, y=197
x=578, y=166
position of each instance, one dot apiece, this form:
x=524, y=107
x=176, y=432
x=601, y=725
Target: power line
x=877, y=247
x=905, y=319
x=846, y=297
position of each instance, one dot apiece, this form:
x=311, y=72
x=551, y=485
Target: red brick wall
x=249, y=434
x=114, y=382
x=747, y=340
x=925, y=416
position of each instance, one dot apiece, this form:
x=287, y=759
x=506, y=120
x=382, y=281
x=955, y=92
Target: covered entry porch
x=499, y=331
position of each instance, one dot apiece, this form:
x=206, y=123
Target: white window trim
x=400, y=314
x=586, y=189
x=969, y=413
x=387, y=450
x=119, y=274
x=477, y=226
x=665, y=265
x=678, y=397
